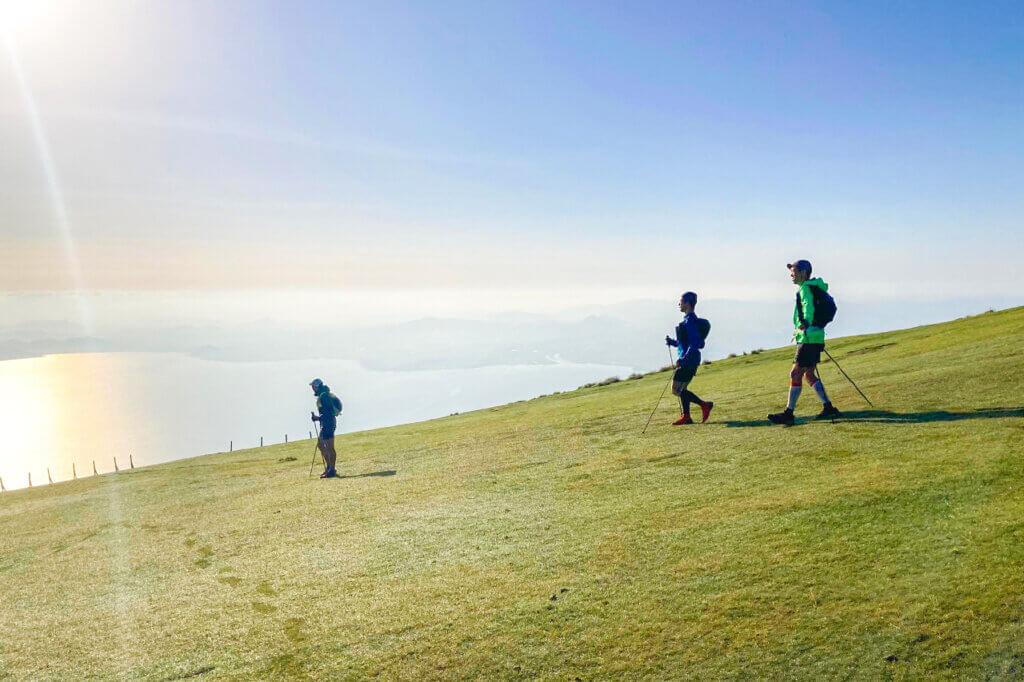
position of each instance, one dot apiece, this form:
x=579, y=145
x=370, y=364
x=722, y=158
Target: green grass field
x=549, y=539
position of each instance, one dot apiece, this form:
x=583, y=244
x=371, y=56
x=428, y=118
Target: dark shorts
x=808, y=354
x=684, y=374
x=327, y=430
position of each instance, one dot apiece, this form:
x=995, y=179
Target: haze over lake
x=171, y=376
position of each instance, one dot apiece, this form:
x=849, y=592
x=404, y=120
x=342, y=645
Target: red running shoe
x=705, y=411
x=685, y=419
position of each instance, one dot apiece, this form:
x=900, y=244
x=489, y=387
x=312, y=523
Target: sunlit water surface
x=60, y=410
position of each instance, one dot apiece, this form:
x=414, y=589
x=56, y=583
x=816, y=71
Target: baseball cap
x=316, y=383
x=800, y=265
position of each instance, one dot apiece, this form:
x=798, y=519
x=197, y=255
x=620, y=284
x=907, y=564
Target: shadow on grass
x=389, y=472
x=886, y=417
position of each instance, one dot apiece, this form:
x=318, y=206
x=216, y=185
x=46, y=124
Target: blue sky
x=357, y=145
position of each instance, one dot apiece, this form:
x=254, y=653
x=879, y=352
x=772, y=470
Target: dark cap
x=690, y=298
x=800, y=265
x=316, y=383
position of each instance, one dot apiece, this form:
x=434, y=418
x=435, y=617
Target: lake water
x=62, y=410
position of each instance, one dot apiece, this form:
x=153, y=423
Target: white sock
x=819, y=388
x=794, y=393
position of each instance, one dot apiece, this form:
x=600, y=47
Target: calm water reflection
x=60, y=410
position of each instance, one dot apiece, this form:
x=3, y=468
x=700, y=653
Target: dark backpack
x=703, y=328
x=337, y=404
x=824, y=307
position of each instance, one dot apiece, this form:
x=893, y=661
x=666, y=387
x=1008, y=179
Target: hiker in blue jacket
x=329, y=406
x=688, y=342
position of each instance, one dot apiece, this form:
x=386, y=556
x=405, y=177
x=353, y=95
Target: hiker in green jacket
x=810, y=339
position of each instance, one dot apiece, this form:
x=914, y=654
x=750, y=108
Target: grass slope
x=549, y=539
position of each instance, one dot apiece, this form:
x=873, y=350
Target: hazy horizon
x=164, y=393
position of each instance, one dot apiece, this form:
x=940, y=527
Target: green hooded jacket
x=805, y=308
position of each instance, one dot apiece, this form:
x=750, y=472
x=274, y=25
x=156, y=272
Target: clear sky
x=213, y=145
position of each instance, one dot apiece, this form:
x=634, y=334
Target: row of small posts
x=131, y=462
x=231, y=443
x=74, y=472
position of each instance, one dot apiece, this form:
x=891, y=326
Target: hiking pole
x=316, y=448
x=659, y=398
x=847, y=376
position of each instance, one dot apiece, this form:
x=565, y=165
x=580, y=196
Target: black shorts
x=684, y=374
x=808, y=354
x=327, y=430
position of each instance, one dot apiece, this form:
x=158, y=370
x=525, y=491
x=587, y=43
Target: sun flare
x=19, y=15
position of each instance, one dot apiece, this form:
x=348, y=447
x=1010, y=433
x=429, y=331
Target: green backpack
x=335, y=402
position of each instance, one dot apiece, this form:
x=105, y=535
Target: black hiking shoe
x=784, y=418
x=330, y=473
x=829, y=412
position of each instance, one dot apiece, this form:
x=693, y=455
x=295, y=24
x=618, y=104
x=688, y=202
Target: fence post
x=94, y=472
x=2, y=488
x=131, y=461
x=310, y=434
x=115, y=465
x=261, y=441
x=48, y=476
x=74, y=472
x=231, y=446
x=286, y=438
x=30, y=479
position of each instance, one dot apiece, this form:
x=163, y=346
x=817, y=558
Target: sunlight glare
x=25, y=402
x=20, y=15
x=49, y=168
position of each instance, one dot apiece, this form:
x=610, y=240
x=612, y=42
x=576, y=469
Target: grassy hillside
x=549, y=539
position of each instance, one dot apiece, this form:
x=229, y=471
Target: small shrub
x=605, y=382
x=731, y=356
x=634, y=375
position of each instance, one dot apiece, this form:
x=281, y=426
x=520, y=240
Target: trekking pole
x=672, y=361
x=847, y=377
x=316, y=448
x=659, y=398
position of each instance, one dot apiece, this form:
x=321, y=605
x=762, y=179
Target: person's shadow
x=887, y=417
x=390, y=472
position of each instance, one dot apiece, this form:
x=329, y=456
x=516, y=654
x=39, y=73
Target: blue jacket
x=688, y=341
